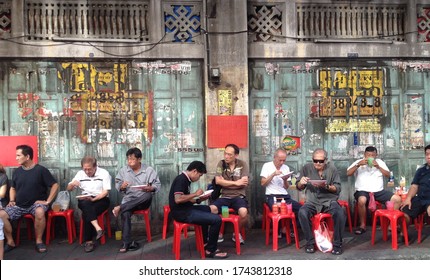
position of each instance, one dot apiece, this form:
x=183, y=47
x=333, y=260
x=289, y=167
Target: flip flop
x=124, y=248
x=360, y=231
x=41, y=248
x=216, y=255
x=8, y=248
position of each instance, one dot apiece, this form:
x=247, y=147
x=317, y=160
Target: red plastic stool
x=145, y=214
x=378, y=206
x=234, y=219
x=178, y=227
x=318, y=218
x=166, y=211
x=345, y=204
x=393, y=216
x=275, y=223
x=29, y=218
x=70, y=224
x=100, y=218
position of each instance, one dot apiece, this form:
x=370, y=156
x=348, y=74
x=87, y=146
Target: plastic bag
x=323, y=238
x=63, y=198
x=372, y=202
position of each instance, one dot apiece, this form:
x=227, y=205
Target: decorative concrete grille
x=182, y=23
x=350, y=21
x=96, y=19
x=5, y=18
x=423, y=23
x=265, y=22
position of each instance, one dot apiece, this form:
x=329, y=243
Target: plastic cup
x=118, y=235
x=390, y=205
x=370, y=161
x=224, y=211
x=289, y=208
x=56, y=207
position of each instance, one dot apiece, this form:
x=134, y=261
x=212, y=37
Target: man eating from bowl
x=321, y=183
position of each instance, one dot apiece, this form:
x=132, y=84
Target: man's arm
x=192, y=197
x=12, y=194
x=52, y=193
x=238, y=184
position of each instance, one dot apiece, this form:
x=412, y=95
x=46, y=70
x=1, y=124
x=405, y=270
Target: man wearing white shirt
x=275, y=182
x=95, y=182
x=369, y=177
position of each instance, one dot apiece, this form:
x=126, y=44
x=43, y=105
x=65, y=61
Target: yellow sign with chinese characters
x=354, y=93
x=225, y=102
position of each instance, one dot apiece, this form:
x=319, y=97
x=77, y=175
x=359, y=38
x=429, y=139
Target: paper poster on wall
x=260, y=122
x=223, y=130
x=8, y=148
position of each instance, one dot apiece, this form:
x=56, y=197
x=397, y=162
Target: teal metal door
x=342, y=107
x=103, y=109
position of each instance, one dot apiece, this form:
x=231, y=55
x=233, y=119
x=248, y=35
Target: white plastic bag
x=63, y=198
x=323, y=238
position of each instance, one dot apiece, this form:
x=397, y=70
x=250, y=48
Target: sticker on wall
x=290, y=143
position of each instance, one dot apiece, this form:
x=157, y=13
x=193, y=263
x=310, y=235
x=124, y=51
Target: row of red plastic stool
x=103, y=220
x=342, y=203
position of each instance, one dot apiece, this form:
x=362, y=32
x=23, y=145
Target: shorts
x=417, y=207
x=1, y=230
x=381, y=196
x=234, y=203
x=16, y=212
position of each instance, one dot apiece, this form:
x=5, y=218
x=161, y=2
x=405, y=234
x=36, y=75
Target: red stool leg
x=148, y=226
x=49, y=230
x=267, y=227
x=275, y=228
x=69, y=224
x=237, y=233
x=166, y=211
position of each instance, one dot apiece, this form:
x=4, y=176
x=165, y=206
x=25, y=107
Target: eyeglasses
x=318, y=160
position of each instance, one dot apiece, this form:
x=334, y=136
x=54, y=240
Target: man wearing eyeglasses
x=232, y=175
x=321, y=183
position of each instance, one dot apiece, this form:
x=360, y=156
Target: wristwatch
x=327, y=187
x=357, y=165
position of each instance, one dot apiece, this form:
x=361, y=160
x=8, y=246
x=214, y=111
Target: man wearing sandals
x=418, y=199
x=137, y=182
x=182, y=208
x=33, y=189
x=321, y=182
x=369, y=177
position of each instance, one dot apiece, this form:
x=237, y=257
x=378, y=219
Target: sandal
x=360, y=231
x=41, y=248
x=8, y=248
x=123, y=249
x=216, y=255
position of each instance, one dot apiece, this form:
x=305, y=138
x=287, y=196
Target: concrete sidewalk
x=356, y=247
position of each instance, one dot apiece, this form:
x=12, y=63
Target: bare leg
x=7, y=228
x=116, y=210
x=39, y=224
x=362, y=211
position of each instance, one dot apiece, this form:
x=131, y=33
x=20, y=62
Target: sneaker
x=220, y=238
x=240, y=239
x=280, y=235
